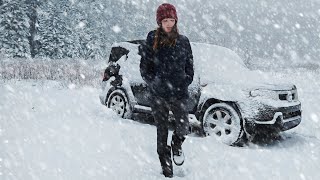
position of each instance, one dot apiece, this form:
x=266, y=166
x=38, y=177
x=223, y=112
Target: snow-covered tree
x=14, y=29
x=32, y=6
x=94, y=26
x=55, y=34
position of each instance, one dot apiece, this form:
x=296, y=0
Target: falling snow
x=52, y=58
x=116, y=29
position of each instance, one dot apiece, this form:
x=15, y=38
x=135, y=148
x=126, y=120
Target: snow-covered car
x=227, y=100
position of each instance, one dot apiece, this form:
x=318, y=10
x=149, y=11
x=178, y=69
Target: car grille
x=287, y=115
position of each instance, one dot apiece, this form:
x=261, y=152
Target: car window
x=117, y=53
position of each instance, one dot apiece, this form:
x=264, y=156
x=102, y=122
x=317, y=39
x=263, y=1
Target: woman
x=167, y=67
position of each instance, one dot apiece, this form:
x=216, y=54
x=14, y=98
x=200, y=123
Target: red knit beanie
x=166, y=10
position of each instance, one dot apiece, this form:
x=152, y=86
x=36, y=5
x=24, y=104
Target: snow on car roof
x=202, y=52
x=211, y=63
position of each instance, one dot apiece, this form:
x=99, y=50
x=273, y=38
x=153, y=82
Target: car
x=226, y=100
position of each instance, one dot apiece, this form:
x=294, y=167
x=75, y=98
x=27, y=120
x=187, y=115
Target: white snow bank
x=51, y=132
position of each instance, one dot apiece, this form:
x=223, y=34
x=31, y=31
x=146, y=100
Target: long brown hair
x=165, y=39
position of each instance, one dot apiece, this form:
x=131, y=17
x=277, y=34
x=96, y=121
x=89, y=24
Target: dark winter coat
x=168, y=71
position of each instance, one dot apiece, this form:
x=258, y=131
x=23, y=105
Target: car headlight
x=295, y=92
x=296, y=97
x=269, y=94
x=254, y=93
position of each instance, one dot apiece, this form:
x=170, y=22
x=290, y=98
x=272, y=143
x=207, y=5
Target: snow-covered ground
x=48, y=131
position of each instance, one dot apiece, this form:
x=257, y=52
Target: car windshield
x=216, y=63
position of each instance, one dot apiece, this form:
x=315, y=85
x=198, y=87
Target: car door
x=130, y=71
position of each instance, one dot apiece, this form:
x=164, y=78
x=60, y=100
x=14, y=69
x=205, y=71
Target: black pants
x=160, y=110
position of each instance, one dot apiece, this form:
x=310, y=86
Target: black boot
x=178, y=155
x=166, y=163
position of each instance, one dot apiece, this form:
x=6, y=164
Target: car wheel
x=222, y=121
x=118, y=102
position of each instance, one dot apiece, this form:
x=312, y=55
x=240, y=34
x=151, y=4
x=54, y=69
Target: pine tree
x=78, y=21
x=32, y=6
x=94, y=28
x=14, y=29
x=55, y=34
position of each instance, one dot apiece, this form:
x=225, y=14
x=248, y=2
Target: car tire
x=223, y=122
x=118, y=101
